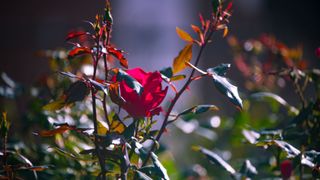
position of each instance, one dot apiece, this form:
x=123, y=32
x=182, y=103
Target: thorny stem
x=94, y=113
x=177, y=96
x=106, y=74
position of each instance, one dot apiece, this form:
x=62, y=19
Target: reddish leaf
x=115, y=95
x=199, y=32
x=75, y=34
x=229, y=6
x=61, y=129
x=79, y=51
x=119, y=55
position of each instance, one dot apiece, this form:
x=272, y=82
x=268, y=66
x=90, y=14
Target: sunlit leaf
x=76, y=92
x=199, y=109
x=142, y=176
x=167, y=72
x=130, y=81
x=225, y=31
x=157, y=169
x=102, y=127
x=99, y=86
x=223, y=85
x=216, y=159
x=178, y=77
x=286, y=147
x=4, y=125
x=78, y=51
x=55, y=105
x=61, y=129
x=115, y=94
x=274, y=97
x=199, y=32
x=119, y=55
x=185, y=55
x=248, y=170
x=184, y=35
x=251, y=136
x=117, y=125
x=68, y=74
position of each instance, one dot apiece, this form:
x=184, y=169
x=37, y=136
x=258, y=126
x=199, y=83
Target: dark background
x=146, y=30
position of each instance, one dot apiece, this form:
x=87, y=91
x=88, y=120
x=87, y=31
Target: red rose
x=286, y=169
x=146, y=104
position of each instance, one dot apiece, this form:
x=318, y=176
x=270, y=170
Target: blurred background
x=146, y=31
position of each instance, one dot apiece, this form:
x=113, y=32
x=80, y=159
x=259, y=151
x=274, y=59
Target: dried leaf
x=185, y=55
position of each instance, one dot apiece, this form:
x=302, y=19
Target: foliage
x=102, y=123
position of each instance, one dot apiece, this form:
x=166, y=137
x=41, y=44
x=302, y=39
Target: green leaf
x=72, y=156
x=248, y=170
x=167, y=72
x=68, y=74
x=178, y=77
x=99, y=86
x=138, y=148
x=223, y=85
x=185, y=55
x=311, y=159
x=199, y=109
x=4, y=125
x=274, y=97
x=142, y=176
x=107, y=15
x=55, y=105
x=76, y=92
x=129, y=131
x=131, y=82
x=216, y=159
x=251, y=136
x=215, y=5
x=160, y=170
x=284, y=146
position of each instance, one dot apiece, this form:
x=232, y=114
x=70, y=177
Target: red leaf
x=119, y=55
x=61, y=129
x=79, y=51
x=229, y=6
x=75, y=34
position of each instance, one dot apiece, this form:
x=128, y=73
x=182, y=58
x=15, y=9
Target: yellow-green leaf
x=184, y=35
x=184, y=56
x=177, y=77
x=102, y=127
x=54, y=105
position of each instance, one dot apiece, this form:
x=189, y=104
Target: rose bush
x=147, y=103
